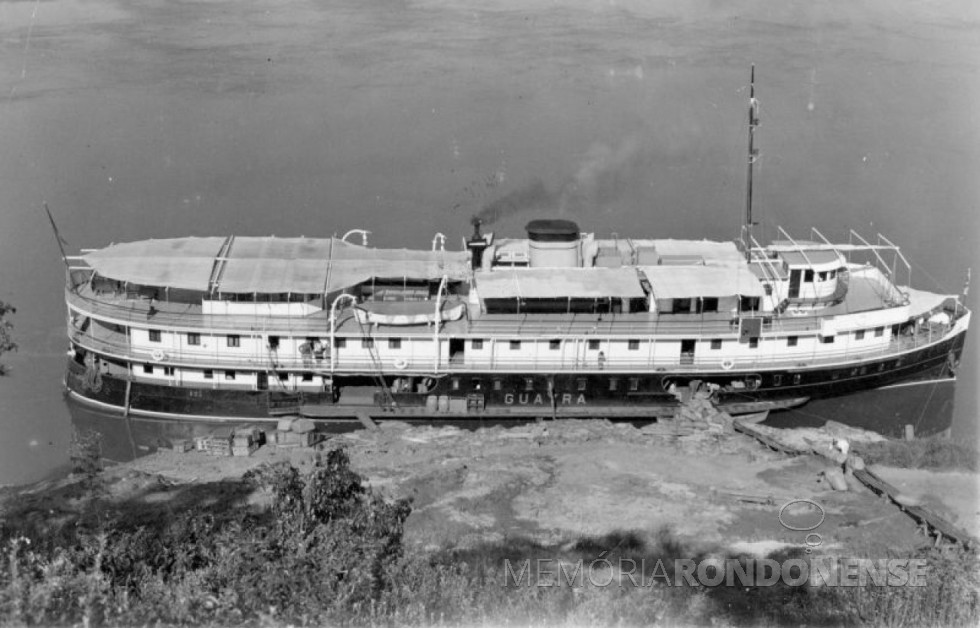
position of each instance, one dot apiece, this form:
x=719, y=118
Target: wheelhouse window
x=154, y=335
x=194, y=339
x=233, y=341
x=633, y=344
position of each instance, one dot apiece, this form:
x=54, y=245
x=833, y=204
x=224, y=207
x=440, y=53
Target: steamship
x=557, y=324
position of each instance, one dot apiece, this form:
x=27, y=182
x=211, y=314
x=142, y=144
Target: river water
x=144, y=119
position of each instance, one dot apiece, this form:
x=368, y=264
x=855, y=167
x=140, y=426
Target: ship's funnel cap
x=552, y=230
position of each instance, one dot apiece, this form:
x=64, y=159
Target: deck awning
x=686, y=282
x=269, y=265
x=559, y=283
x=183, y=263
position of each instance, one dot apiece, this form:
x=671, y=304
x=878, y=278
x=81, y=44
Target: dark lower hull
x=882, y=394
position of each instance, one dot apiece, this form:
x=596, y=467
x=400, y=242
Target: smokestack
x=476, y=244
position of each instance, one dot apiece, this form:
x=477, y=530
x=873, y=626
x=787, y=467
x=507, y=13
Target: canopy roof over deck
x=686, y=282
x=559, y=283
x=248, y=265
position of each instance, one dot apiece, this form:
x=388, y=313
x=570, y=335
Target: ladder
x=387, y=400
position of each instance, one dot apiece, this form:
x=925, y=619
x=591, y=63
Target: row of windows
x=477, y=344
x=581, y=384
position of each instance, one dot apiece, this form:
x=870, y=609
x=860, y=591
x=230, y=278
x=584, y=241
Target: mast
x=753, y=153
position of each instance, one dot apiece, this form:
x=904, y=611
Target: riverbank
x=566, y=490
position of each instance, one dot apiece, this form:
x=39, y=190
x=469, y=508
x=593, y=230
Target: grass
x=329, y=552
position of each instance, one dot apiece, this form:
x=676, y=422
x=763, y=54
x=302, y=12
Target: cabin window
x=273, y=342
x=709, y=304
x=208, y=374
x=682, y=306
x=580, y=383
x=716, y=343
x=168, y=371
x=634, y=345
x=554, y=345
x=229, y=374
x=194, y=339
x=748, y=304
x=859, y=334
x=283, y=377
x=340, y=343
x=768, y=289
x=477, y=344
x=394, y=343
x=835, y=375
x=792, y=341
x=879, y=332
x=148, y=369
x=476, y=383
x=833, y=274
x=864, y=370
x=634, y=384
x=822, y=276
x=367, y=343
x=797, y=378
x=498, y=384
x=515, y=345
x=529, y=383
x=827, y=340
x=307, y=377
x=234, y=341
x=455, y=383
x=777, y=380
x=754, y=342
x=593, y=345
x=613, y=384
x=154, y=335
x=808, y=275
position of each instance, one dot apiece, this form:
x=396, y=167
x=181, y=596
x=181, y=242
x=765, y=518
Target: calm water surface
x=149, y=120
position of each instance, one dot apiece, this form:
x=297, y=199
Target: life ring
x=401, y=364
x=727, y=364
x=158, y=354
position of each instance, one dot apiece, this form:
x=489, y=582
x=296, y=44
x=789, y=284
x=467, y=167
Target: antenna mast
x=753, y=153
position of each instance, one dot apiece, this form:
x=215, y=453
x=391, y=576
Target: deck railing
x=117, y=346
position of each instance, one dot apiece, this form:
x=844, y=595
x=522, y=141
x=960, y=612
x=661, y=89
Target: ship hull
x=884, y=395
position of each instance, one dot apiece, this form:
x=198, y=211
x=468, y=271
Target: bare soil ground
x=557, y=481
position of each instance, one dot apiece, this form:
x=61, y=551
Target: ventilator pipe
x=437, y=320
x=364, y=235
x=333, y=328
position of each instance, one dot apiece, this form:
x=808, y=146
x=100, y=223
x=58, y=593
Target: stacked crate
x=296, y=433
x=245, y=441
